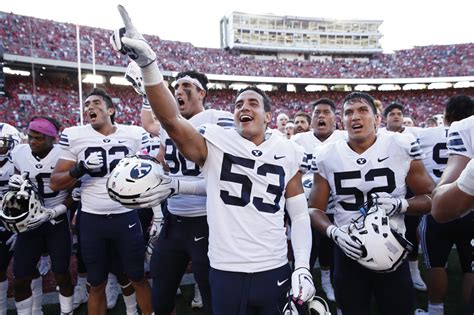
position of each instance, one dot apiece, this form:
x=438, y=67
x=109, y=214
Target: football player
x=51, y=227
x=9, y=137
x=323, y=131
x=302, y=122
x=250, y=177
x=90, y=153
x=394, y=118
x=437, y=239
x=351, y=172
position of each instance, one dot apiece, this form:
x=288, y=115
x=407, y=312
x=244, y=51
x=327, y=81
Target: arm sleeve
x=300, y=229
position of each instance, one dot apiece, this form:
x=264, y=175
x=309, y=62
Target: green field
x=453, y=305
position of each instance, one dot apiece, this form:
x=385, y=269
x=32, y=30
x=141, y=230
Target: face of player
x=395, y=120
x=408, y=122
x=281, y=123
x=250, y=117
x=323, y=121
x=301, y=124
x=290, y=131
x=189, y=98
x=96, y=112
x=360, y=122
x=40, y=144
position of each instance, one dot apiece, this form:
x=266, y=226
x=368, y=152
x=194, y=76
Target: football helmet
x=316, y=306
x=133, y=74
x=9, y=137
x=21, y=206
x=133, y=175
x=384, y=249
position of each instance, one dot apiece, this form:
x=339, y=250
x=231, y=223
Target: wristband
x=330, y=229
x=78, y=170
x=146, y=104
x=151, y=74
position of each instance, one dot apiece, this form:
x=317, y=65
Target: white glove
x=11, y=241
x=390, y=204
x=46, y=215
x=94, y=161
x=76, y=194
x=44, y=265
x=129, y=41
x=349, y=246
x=133, y=74
x=15, y=181
x=156, y=195
x=302, y=285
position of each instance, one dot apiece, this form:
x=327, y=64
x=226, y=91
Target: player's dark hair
x=107, y=99
x=325, y=101
x=391, y=107
x=201, y=77
x=55, y=123
x=303, y=114
x=458, y=108
x=267, y=102
x=360, y=96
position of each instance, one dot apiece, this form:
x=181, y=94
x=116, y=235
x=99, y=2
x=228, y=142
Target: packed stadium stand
x=27, y=36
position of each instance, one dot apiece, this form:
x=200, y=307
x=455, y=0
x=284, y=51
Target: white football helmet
x=133, y=74
x=133, y=176
x=316, y=306
x=19, y=207
x=9, y=137
x=384, y=249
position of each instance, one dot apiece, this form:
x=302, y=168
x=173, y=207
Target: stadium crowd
x=28, y=36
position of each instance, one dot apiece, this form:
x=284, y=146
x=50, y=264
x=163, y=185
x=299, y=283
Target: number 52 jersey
x=354, y=177
x=246, y=187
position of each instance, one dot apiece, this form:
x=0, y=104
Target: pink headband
x=43, y=126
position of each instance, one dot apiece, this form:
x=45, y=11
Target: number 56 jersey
x=354, y=177
x=246, y=187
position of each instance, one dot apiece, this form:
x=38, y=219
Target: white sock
x=37, y=291
x=66, y=304
x=112, y=278
x=325, y=276
x=130, y=303
x=24, y=307
x=436, y=309
x=414, y=266
x=3, y=297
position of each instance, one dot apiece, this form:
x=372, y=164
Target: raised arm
x=188, y=140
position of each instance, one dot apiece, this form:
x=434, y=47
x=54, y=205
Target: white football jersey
x=433, y=144
x=183, y=169
x=461, y=137
x=39, y=172
x=154, y=147
x=354, y=177
x=246, y=187
x=6, y=171
x=78, y=142
x=406, y=130
x=309, y=142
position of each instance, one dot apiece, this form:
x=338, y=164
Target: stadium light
x=389, y=87
x=364, y=88
x=463, y=84
x=238, y=86
x=90, y=78
x=265, y=87
x=315, y=88
x=439, y=86
x=290, y=88
x=216, y=86
x=22, y=73
x=119, y=80
x=414, y=86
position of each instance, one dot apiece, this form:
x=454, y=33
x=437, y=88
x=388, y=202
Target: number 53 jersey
x=246, y=187
x=354, y=177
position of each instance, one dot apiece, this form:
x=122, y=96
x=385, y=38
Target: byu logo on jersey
x=106, y=140
x=257, y=153
x=140, y=171
x=361, y=161
x=39, y=166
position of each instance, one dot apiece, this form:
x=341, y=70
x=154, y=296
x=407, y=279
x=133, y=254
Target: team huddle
x=226, y=193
